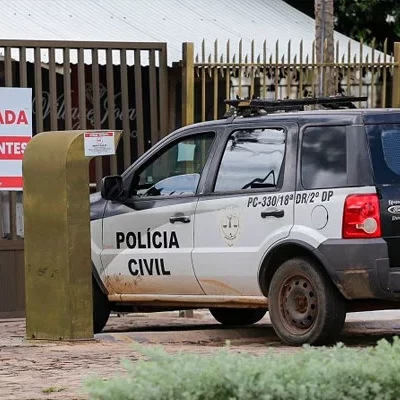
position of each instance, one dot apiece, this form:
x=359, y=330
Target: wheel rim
x=298, y=304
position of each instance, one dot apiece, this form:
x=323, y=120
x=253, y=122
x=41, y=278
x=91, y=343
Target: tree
x=324, y=21
x=362, y=19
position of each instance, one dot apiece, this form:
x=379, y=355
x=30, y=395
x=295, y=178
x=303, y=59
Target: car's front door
x=148, y=239
x=249, y=207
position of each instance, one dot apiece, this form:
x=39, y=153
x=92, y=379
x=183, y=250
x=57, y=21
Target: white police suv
x=270, y=208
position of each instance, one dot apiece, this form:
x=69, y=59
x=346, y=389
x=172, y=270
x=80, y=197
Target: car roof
x=342, y=116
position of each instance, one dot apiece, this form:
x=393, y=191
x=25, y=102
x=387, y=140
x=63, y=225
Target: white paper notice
x=99, y=144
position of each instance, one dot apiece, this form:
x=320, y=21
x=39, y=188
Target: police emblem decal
x=229, y=224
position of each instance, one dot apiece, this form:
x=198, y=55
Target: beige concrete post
x=187, y=84
x=58, y=280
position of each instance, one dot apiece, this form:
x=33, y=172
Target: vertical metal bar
x=384, y=83
x=396, y=77
x=289, y=76
x=12, y=196
x=111, y=103
x=139, y=103
x=53, y=90
x=163, y=91
x=252, y=69
x=373, y=74
x=264, y=88
x=154, y=120
x=324, y=69
x=203, y=81
x=81, y=89
x=348, y=68
x=67, y=89
x=313, y=68
x=96, y=111
x=276, y=82
x=125, y=110
x=240, y=66
x=228, y=74
x=215, y=74
x=301, y=69
x=337, y=71
x=360, y=69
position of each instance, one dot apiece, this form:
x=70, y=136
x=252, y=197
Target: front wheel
x=304, y=305
x=238, y=316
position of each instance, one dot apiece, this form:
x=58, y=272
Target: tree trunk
x=324, y=46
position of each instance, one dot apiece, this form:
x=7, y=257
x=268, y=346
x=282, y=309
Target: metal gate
x=80, y=85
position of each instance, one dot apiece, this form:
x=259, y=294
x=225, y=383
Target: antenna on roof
x=249, y=107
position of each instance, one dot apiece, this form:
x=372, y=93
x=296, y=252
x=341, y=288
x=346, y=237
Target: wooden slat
x=125, y=111
x=81, y=89
x=163, y=92
x=38, y=91
x=53, y=90
x=139, y=104
x=12, y=196
x=77, y=44
x=111, y=103
x=67, y=90
x=96, y=111
x=22, y=67
x=153, y=99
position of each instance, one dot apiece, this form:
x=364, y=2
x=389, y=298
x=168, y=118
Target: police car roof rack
x=256, y=106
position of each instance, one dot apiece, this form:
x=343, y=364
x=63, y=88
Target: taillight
x=361, y=217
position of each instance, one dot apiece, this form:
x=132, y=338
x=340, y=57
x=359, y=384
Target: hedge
x=312, y=373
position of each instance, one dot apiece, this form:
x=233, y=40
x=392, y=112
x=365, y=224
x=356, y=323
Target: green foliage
x=313, y=373
x=365, y=20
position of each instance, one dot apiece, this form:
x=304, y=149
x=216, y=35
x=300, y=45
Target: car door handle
x=179, y=218
x=273, y=213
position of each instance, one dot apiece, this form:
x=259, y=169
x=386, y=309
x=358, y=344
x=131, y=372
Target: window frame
x=300, y=161
x=221, y=153
x=154, y=153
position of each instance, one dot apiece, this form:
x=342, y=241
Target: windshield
x=384, y=143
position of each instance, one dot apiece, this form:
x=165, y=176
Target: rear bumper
x=360, y=268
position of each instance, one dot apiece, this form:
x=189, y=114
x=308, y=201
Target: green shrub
x=313, y=373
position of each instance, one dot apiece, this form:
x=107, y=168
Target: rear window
x=384, y=143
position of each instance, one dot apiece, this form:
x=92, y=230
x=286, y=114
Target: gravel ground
x=54, y=370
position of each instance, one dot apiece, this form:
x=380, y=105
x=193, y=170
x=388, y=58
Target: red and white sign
x=99, y=144
x=15, y=133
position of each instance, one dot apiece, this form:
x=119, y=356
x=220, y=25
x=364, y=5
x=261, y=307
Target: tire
x=238, y=316
x=304, y=305
x=101, y=308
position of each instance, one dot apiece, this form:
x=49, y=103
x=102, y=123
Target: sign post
x=15, y=133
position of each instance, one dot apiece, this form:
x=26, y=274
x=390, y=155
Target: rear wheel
x=101, y=308
x=304, y=305
x=238, y=316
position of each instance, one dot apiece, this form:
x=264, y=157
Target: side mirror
x=112, y=187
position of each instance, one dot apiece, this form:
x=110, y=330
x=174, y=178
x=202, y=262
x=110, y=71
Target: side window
x=323, y=157
x=176, y=170
x=252, y=159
